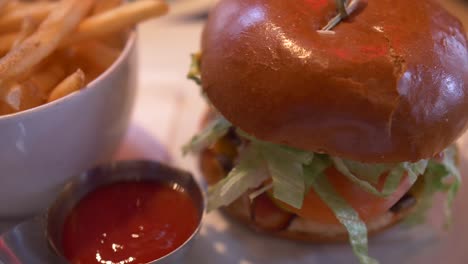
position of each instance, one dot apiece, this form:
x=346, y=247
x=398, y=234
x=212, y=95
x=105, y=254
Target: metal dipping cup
x=39, y=240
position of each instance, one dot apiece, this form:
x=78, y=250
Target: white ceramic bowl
x=41, y=148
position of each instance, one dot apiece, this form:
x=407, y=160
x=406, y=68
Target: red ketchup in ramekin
x=130, y=222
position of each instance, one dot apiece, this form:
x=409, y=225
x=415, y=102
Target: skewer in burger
x=330, y=120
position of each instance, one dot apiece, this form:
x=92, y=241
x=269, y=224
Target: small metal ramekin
x=39, y=240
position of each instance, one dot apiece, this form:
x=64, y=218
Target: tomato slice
x=268, y=216
x=366, y=204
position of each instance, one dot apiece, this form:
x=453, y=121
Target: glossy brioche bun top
x=389, y=86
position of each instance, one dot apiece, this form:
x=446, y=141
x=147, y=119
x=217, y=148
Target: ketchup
x=132, y=222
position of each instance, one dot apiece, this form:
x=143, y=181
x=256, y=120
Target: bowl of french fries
x=67, y=87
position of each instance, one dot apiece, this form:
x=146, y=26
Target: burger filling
x=284, y=182
x=282, y=178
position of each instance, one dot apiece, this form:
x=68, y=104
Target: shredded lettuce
x=319, y=164
x=440, y=176
x=260, y=191
x=393, y=180
x=212, y=133
x=432, y=183
x=284, y=166
x=249, y=173
x=286, y=170
x=370, y=174
x=347, y=216
x=294, y=172
x=365, y=185
x=415, y=169
x=194, y=72
x=450, y=164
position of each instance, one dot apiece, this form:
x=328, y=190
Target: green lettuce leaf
x=432, y=183
x=370, y=174
x=393, y=180
x=249, y=173
x=450, y=164
x=212, y=133
x=286, y=170
x=194, y=72
x=415, y=169
x=440, y=176
x=365, y=185
x=347, y=216
x=319, y=164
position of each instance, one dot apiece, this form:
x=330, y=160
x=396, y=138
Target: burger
x=330, y=120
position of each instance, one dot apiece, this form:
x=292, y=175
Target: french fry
x=117, y=19
x=47, y=77
x=112, y=40
x=103, y=6
x=35, y=90
x=4, y=109
x=4, y=4
x=60, y=22
x=10, y=6
x=71, y=84
x=97, y=53
x=13, y=96
x=6, y=42
x=13, y=19
x=27, y=28
x=115, y=40
x=76, y=61
x=109, y=22
x=43, y=42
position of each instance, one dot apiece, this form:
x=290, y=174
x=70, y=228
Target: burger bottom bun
x=299, y=229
